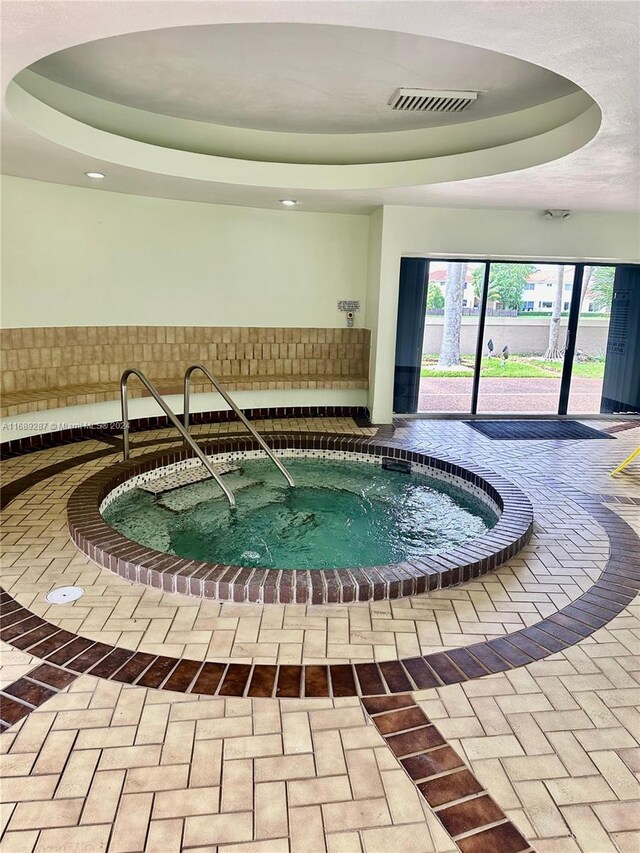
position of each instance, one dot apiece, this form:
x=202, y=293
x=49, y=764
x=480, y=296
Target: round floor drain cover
x=64, y=594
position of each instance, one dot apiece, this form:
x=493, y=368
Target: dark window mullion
x=479, y=346
x=572, y=332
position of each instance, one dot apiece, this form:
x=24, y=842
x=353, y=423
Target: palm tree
x=586, y=278
x=553, y=349
x=602, y=288
x=450, y=347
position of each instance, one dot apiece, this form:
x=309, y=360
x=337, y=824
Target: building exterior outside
x=537, y=294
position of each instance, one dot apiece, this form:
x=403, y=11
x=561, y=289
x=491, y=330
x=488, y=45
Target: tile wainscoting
x=48, y=368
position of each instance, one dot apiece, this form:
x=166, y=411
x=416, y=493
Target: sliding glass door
x=478, y=337
x=587, y=375
x=525, y=338
x=454, y=298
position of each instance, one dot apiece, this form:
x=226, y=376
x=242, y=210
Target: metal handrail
x=133, y=371
x=239, y=413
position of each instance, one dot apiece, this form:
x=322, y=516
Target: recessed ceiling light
x=289, y=202
x=96, y=175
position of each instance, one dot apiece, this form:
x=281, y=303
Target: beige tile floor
x=102, y=766
x=106, y=766
x=561, y=561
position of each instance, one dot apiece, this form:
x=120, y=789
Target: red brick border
x=462, y=805
x=19, y=699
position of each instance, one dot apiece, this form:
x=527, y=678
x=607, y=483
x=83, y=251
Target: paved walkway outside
x=511, y=394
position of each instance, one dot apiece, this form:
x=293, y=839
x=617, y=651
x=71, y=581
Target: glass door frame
x=572, y=328
x=572, y=333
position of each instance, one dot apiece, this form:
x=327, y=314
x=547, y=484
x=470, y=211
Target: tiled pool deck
x=519, y=730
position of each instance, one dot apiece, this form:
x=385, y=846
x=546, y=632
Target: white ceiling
x=592, y=43
x=296, y=78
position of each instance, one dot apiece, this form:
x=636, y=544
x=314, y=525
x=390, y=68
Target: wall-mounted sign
x=349, y=305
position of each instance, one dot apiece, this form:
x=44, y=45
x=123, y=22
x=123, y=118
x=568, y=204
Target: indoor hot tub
x=362, y=521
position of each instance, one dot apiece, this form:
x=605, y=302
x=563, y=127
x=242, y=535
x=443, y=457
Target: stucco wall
x=522, y=335
x=84, y=257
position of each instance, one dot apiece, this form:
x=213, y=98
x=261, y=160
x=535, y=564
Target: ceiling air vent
x=431, y=100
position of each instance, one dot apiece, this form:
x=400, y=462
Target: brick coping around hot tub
x=108, y=548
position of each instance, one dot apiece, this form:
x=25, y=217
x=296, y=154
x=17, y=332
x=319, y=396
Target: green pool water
x=339, y=514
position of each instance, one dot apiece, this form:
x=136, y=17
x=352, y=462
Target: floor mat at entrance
x=535, y=430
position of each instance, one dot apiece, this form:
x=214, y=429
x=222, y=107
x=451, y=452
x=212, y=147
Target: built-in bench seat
x=41, y=399
x=53, y=368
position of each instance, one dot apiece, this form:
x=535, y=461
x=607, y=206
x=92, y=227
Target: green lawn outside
x=589, y=369
x=517, y=366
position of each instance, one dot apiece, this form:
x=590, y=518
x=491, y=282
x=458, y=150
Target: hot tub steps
x=206, y=491
x=186, y=477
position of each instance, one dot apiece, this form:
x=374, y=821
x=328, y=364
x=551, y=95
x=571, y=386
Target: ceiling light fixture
x=96, y=175
x=289, y=202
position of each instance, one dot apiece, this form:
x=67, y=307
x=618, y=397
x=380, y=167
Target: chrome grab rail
x=227, y=399
x=133, y=371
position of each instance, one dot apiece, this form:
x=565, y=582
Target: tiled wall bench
x=48, y=368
